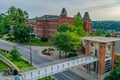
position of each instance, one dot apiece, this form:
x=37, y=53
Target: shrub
x=44, y=39
x=15, y=53
x=32, y=35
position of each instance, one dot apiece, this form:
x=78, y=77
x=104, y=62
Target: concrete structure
x=56, y=67
x=46, y=25
x=99, y=57
x=104, y=49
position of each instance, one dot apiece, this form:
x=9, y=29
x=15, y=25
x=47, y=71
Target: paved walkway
x=81, y=72
x=2, y=77
x=9, y=77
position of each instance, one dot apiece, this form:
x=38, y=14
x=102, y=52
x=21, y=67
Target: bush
x=15, y=53
x=32, y=35
x=1, y=36
x=44, y=39
x=72, y=54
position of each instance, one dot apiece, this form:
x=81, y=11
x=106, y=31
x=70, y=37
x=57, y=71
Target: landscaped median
x=22, y=64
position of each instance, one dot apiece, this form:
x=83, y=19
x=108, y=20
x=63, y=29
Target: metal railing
x=56, y=67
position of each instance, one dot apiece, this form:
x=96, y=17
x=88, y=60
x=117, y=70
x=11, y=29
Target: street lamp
x=30, y=50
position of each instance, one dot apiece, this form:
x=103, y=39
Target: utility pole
x=30, y=50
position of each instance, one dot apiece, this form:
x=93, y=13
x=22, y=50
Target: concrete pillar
x=113, y=54
x=101, y=59
x=86, y=48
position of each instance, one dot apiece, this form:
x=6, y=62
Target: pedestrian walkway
x=7, y=77
x=81, y=72
x=3, y=77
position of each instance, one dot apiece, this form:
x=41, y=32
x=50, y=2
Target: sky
x=98, y=9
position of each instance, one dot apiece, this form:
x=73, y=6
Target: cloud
x=98, y=9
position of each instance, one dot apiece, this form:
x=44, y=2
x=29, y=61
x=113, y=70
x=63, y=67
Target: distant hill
x=106, y=25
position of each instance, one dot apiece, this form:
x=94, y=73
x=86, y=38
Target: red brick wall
x=113, y=54
x=66, y=20
x=49, y=27
x=86, y=48
x=101, y=59
x=87, y=25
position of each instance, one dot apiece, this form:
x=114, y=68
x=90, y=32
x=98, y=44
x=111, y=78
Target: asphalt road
x=38, y=60
x=118, y=47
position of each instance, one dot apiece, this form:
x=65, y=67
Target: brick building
x=104, y=49
x=46, y=25
x=87, y=23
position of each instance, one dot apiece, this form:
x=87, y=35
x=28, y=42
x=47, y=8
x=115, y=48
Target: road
x=38, y=60
x=118, y=47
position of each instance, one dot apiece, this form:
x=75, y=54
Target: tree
x=64, y=27
x=78, y=21
x=16, y=16
x=15, y=53
x=22, y=33
x=4, y=26
x=66, y=41
x=67, y=27
x=115, y=74
x=108, y=34
x=98, y=33
x=79, y=30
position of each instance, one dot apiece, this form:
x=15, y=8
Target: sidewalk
x=82, y=73
x=8, y=77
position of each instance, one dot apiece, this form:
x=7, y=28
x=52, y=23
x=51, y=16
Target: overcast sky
x=98, y=9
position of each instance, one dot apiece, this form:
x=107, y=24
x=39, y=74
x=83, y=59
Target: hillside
x=106, y=25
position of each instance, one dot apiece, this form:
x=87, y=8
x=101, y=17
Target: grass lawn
x=3, y=66
x=21, y=63
x=37, y=42
x=34, y=42
x=47, y=78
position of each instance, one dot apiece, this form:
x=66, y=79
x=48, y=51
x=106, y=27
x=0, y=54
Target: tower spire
x=86, y=15
x=87, y=23
x=63, y=12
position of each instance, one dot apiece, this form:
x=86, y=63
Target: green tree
x=98, y=33
x=108, y=34
x=17, y=16
x=78, y=21
x=78, y=30
x=4, y=26
x=66, y=41
x=115, y=74
x=67, y=27
x=117, y=61
x=64, y=27
x=15, y=53
x=22, y=33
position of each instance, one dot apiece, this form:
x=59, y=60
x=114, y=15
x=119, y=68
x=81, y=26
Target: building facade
x=104, y=49
x=87, y=23
x=46, y=25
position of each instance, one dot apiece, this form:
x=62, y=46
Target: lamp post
x=30, y=50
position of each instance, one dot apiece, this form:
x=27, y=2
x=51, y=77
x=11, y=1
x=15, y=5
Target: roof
x=101, y=39
x=46, y=17
x=31, y=21
x=63, y=11
x=86, y=15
